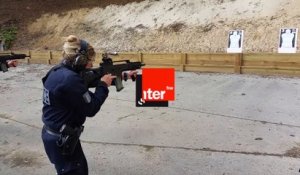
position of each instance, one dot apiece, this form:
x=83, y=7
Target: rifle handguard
x=133, y=77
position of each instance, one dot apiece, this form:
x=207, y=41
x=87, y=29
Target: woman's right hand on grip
x=108, y=78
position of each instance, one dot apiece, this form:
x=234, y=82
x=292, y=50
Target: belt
x=51, y=131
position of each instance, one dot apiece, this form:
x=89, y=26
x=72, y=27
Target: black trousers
x=74, y=164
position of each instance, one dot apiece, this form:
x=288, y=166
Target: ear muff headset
x=81, y=58
x=83, y=47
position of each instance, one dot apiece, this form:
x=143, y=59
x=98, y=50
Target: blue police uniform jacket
x=67, y=100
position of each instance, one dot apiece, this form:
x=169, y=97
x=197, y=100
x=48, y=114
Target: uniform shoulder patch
x=46, y=98
x=87, y=98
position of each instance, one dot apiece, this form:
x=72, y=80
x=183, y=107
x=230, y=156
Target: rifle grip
x=133, y=78
x=118, y=84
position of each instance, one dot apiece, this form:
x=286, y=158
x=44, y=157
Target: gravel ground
x=219, y=124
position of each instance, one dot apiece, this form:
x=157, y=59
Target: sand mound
x=170, y=25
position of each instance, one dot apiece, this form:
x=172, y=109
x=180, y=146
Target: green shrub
x=8, y=35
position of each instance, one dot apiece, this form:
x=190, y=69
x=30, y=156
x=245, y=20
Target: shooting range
x=237, y=83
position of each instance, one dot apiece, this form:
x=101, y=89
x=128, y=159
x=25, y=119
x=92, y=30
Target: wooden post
x=238, y=63
x=183, y=61
x=50, y=57
x=28, y=60
x=140, y=56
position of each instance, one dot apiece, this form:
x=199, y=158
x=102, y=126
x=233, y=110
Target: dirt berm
x=150, y=25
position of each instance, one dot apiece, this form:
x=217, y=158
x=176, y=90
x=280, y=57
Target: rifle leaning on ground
x=93, y=75
x=4, y=57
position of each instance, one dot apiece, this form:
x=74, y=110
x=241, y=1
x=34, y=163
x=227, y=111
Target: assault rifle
x=4, y=57
x=92, y=76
